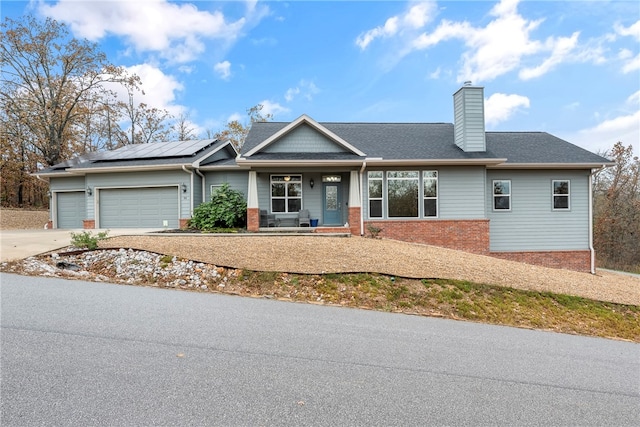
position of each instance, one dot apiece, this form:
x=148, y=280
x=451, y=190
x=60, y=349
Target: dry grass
x=21, y=219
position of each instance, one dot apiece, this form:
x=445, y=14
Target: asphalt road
x=80, y=353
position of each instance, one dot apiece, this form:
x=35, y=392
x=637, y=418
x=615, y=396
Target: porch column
x=355, y=210
x=253, y=210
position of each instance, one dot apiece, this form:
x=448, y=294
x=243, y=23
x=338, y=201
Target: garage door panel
x=139, y=207
x=70, y=208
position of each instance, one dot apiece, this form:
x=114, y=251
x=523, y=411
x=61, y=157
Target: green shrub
x=87, y=240
x=227, y=209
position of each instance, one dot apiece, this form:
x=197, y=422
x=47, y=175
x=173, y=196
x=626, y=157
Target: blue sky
x=570, y=68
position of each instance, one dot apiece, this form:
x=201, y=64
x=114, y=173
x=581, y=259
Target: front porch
x=321, y=230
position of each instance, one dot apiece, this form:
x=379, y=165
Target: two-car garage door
x=153, y=207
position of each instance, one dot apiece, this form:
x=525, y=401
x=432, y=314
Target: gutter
x=364, y=165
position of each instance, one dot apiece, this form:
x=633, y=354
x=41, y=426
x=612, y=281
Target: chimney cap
x=467, y=83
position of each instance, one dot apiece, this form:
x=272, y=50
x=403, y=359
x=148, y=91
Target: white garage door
x=139, y=207
x=70, y=208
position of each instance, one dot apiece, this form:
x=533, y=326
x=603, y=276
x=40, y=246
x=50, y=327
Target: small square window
x=501, y=195
x=561, y=195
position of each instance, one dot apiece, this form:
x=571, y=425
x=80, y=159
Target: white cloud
x=632, y=65
x=272, y=108
x=175, y=31
x=500, y=107
x=624, y=128
x=630, y=31
x=416, y=17
x=223, y=69
x=560, y=49
x=159, y=89
x=305, y=88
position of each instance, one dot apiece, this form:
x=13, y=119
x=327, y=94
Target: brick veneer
x=184, y=223
x=253, y=219
x=465, y=235
x=88, y=224
x=570, y=260
x=354, y=220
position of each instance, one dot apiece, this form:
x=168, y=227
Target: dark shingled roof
x=400, y=141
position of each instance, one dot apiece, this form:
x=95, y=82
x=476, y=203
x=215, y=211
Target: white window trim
x=554, y=195
x=436, y=198
x=381, y=198
x=286, y=197
x=212, y=189
x=387, y=179
x=494, y=195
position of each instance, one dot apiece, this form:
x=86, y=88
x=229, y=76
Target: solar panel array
x=156, y=150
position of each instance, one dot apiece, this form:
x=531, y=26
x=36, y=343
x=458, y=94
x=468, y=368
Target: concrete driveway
x=19, y=244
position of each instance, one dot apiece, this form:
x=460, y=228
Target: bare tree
x=182, y=128
x=237, y=132
x=48, y=75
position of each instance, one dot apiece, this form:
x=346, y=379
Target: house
x=523, y=196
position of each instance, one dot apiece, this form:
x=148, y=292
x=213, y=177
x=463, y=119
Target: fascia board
x=146, y=168
x=551, y=165
x=297, y=163
x=294, y=124
x=422, y=162
x=196, y=164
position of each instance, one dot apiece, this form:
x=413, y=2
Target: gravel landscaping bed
x=320, y=254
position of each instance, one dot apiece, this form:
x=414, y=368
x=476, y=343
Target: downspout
x=592, y=250
x=364, y=165
x=184, y=168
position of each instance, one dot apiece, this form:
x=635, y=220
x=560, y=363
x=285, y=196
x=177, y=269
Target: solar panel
x=157, y=150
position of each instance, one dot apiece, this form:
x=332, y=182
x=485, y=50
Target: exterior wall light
x=89, y=191
x=311, y=183
x=184, y=188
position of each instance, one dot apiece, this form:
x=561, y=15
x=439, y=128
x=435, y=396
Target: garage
x=71, y=206
x=150, y=207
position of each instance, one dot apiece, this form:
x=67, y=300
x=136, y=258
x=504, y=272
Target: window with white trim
x=501, y=195
x=375, y=194
x=430, y=193
x=286, y=193
x=402, y=194
x=213, y=189
x=561, y=194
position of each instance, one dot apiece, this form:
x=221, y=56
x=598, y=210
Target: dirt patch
x=20, y=219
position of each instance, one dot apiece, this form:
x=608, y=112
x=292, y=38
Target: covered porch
x=276, y=200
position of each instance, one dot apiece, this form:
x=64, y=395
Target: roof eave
x=428, y=162
x=287, y=163
x=137, y=168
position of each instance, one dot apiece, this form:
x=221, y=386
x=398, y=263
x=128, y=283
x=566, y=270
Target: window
x=561, y=193
x=375, y=194
x=286, y=193
x=430, y=193
x=402, y=194
x=213, y=189
x=501, y=195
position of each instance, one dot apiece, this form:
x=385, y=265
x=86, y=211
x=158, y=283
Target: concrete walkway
x=20, y=244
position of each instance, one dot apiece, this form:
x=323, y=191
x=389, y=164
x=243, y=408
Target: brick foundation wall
x=253, y=219
x=89, y=224
x=184, y=223
x=49, y=225
x=354, y=221
x=569, y=260
x=465, y=235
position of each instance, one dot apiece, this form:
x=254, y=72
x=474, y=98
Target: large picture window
x=430, y=193
x=561, y=193
x=375, y=194
x=402, y=194
x=501, y=195
x=286, y=193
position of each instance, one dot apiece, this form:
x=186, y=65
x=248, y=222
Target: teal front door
x=332, y=203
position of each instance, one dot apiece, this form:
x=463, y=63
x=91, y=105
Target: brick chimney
x=468, y=113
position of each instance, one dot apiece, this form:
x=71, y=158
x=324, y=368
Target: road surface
x=81, y=353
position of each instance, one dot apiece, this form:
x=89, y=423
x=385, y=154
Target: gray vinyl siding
x=304, y=139
x=238, y=181
x=532, y=224
x=461, y=192
x=143, y=179
x=196, y=190
x=469, y=119
x=67, y=183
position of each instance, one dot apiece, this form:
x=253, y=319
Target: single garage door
x=70, y=208
x=139, y=207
